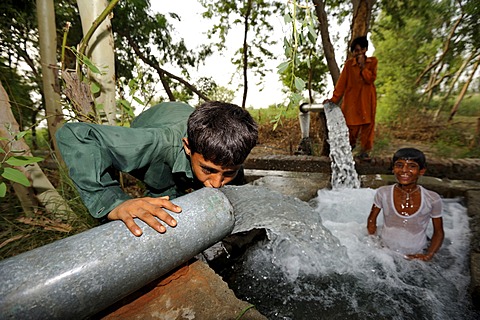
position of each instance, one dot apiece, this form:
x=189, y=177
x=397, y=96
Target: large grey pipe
x=81, y=275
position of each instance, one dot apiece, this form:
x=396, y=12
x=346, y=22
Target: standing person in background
x=356, y=86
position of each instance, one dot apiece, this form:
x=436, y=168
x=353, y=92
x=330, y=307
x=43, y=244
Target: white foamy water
x=320, y=260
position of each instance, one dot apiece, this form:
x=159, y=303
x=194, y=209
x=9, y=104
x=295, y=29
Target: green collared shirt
x=150, y=150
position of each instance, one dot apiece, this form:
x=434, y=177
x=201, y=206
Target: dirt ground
x=285, y=139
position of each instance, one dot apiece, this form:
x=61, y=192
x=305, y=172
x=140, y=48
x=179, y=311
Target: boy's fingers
x=153, y=223
x=165, y=203
x=165, y=217
x=146, y=209
x=132, y=226
x=151, y=211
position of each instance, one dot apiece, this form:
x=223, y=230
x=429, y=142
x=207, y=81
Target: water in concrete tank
x=319, y=262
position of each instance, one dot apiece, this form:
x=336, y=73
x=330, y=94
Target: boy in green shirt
x=172, y=147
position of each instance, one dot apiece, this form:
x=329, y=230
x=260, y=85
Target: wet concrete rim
x=454, y=169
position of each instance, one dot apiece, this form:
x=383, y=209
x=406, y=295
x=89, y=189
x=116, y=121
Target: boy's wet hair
x=222, y=133
x=410, y=154
x=361, y=41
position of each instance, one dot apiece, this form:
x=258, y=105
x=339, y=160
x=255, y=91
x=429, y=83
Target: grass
x=268, y=115
x=25, y=231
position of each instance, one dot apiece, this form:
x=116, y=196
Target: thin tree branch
x=95, y=24
x=446, y=48
x=162, y=71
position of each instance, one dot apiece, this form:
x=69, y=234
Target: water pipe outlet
x=314, y=107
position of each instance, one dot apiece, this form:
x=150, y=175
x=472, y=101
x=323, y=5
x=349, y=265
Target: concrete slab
x=193, y=291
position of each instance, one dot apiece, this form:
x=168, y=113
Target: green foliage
x=420, y=48
x=41, y=140
x=14, y=158
x=213, y=91
x=139, y=93
x=135, y=27
x=398, y=52
x=470, y=106
x=16, y=24
x=302, y=65
x=20, y=70
x=273, y=113
x=83, y=59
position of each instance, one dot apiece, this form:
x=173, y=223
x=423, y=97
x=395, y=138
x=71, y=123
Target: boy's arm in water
x=435, y=244
x=372, y=219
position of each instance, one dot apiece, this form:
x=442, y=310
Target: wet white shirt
x=407, y=234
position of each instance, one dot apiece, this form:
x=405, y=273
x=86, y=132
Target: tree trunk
x=328, y=49
x=101, y=52
x=245, y=53
x=41, y=190
x=452, y=85
x=362, y=13
x=48, y=52
x=464, y=89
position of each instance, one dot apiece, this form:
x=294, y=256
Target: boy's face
x=359, y=51
x=209, y=174
x=407, y=171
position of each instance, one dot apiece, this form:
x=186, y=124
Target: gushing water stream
x=319, y=262
x=344, y=174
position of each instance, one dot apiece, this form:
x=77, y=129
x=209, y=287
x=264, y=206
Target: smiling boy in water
x=407, y=209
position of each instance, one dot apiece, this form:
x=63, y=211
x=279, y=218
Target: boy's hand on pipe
x=145, y=209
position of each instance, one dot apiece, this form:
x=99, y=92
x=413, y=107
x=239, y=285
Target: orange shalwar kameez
x=359, y=100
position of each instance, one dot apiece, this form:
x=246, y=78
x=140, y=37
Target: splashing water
x=344, y=174
x=319, y=261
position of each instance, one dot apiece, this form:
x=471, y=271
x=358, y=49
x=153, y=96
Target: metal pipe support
x=314, y=107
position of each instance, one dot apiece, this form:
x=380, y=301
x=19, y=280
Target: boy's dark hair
x=411, y=154
x=222, y=133
x=361, y=41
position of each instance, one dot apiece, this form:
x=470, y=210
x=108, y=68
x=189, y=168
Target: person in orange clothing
x=356, y=86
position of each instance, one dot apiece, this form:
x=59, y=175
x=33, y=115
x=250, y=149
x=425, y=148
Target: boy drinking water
x=172, y=147
x=408, y=208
